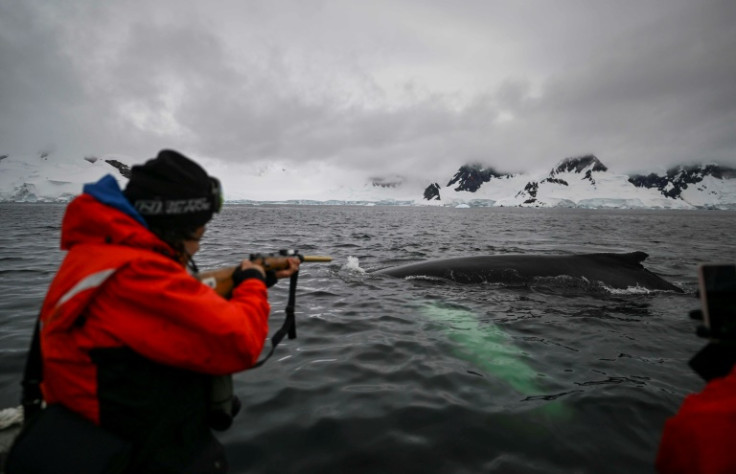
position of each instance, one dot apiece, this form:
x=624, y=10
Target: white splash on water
x=353, y=265
x=631, y=290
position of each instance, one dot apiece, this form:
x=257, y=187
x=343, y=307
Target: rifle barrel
x=222, y=280
x=316, y=258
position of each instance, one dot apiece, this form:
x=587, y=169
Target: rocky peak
x=588, y=163
x=471, y=177
x=122, y=167
x=678, y=178
x=531, y=189
x=387, y=182
x=432, y=192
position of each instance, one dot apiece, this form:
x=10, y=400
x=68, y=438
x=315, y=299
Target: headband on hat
x=173, y=191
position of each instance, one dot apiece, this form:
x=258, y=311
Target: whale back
x=615, y=270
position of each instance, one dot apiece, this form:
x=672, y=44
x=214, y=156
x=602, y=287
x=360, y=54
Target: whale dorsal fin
x=631, y=258
x=634, y=257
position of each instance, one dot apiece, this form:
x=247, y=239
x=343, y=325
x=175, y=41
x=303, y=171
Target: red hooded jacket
x=123, y=283
x=699, y=439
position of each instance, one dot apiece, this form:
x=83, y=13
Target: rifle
x=221, y=280
x=224, y=405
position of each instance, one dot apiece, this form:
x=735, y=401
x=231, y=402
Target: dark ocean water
x=392, y=375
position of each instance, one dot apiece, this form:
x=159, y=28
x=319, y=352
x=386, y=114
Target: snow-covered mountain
x=50, y=178
x=701, y=186
x=583, y=182
x=43, y=178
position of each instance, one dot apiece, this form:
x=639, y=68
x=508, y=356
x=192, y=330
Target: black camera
x=717, y=292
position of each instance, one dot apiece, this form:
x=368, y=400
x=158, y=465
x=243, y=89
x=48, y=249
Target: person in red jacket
x=129, y=338
x=699, y=439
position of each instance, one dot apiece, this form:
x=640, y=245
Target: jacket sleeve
x=160, y=311
x=677, y=452
x=699, y=438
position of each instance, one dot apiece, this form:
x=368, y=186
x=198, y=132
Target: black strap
x=291, y=305
x=289, y=326
x=31, y=396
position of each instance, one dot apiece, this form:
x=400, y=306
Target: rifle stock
x=221, y=280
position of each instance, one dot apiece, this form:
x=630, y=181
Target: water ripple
x=373, y=384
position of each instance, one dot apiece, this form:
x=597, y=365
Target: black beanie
x=173, y=192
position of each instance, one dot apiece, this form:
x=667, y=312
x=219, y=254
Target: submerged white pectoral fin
x=486, y=346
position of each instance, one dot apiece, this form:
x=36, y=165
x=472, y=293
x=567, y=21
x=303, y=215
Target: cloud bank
x=376, y=88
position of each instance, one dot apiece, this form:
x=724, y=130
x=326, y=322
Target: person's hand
x=293, y=268
x=246, y=264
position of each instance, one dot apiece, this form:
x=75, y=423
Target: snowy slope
x=582, y=182
x=711, y=193
x=45, y=178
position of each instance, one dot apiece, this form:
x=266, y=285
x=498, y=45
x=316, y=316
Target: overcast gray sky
x=380, y=86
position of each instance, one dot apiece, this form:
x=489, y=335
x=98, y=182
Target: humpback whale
x=614, y=270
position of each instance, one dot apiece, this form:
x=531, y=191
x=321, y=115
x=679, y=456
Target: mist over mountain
x=581, y=182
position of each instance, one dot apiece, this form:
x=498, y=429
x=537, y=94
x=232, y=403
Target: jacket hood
x=102, y=215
